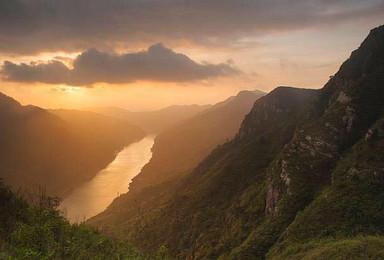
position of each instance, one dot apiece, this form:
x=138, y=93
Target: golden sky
x=148, y=54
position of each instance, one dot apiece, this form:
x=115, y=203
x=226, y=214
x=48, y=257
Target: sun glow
x=66, y=89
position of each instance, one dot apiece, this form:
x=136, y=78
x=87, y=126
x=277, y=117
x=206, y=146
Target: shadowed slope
x=297, y=150
x=38, y=148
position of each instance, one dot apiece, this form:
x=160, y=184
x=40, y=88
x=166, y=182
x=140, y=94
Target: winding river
x=94, y=196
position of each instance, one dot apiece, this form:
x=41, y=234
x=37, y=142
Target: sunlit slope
x=38, y=148
x=180, y=148
x=305, y=170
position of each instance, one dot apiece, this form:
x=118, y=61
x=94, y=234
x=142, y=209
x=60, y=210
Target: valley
x=305, y=166
x=220, y=129
x=94, y=196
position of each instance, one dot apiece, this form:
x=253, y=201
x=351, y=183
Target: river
x=94, y=196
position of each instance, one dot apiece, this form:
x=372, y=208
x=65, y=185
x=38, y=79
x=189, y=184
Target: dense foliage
x=305, y=175
x=40, y=232
x=182, y=146
x=359, y=248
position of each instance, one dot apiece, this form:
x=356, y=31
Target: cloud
x=73, y=25
x=51, y=73
x=158, y=63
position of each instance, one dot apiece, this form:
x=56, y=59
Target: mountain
x=153, y=122
x=302, y=178
x=39, y=148
x=103, y=136
x=212, y=187
x=181, y=147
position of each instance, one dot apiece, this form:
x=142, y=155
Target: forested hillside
x=183, y=146
x=304, y=176
x=38, y=231
x=39, y=148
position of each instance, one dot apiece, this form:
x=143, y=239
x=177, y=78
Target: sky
x=148, y=54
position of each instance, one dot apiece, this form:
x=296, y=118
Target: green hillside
x=39, y=232
x=304, y=174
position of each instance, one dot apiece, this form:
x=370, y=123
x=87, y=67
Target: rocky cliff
x=304, y=174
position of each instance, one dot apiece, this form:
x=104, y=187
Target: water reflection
x=94, y=196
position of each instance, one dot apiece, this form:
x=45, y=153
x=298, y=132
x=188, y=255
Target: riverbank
x=94, y=196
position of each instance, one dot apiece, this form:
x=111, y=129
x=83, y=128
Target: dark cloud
x=157, y=63
x=51, y=73
x=28, y=26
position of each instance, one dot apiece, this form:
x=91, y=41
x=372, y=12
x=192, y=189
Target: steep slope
x=101, y=136
x=39, y=232
x=153, y=122
x=306, y=165
x=38, y=148
x=215, y=185
x=351, y=206
x=27, y=138
x=181, y=147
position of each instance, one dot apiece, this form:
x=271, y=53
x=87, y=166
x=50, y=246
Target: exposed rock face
x=343, y=98
x=227, y=173
x=272, y=199
x=369, y=134
x=353, y=101
x=349, y=118
x=244, y=199
x=274, y=108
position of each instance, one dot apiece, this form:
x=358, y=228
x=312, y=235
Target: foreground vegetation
x=304, y=178
x=40, y=232
x=370, y=247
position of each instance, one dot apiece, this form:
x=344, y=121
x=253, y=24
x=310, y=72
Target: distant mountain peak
x=306, y=167
x=6, y=101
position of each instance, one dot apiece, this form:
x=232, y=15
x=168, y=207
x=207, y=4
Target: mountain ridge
x=40, y=148
x=182, y=146
x=156, y=121
x=257, y=196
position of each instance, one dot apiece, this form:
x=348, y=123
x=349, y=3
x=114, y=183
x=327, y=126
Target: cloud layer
x=72, y=25
x=158, y=63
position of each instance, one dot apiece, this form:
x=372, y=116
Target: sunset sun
x=192, y=129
